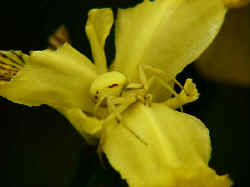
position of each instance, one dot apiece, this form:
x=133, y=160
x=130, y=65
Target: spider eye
x=113, y=85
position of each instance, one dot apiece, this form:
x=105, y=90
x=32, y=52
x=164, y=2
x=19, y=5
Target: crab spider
x=112, y=90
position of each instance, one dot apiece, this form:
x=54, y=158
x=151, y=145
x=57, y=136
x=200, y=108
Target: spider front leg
x=188, y=92
x=111, y=107
x=111, y=104
x=105, y=100
x=100, y=145
x=146, y=84
x=187, y=95
x=98, y=104
x=164, y=76
x=115, y=112
x=124, y=102
x=169, y=88
x=140, y=90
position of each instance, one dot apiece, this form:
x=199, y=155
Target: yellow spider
x=113, y=91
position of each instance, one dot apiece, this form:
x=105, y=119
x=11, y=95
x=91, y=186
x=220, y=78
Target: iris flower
x=149, y=143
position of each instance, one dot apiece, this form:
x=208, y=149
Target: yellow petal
x=177, y=151
x=166, y=34
x=229, y=54
x=236, y=3
x=97, y=28
x=56, y=78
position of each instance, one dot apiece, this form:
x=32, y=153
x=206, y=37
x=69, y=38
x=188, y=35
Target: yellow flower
x=144, y=138
x=235, y=3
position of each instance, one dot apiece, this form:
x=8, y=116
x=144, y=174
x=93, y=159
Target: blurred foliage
x=43, y=149
x=229, y=55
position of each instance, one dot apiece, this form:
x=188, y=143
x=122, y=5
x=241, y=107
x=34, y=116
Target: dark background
x=40, y=148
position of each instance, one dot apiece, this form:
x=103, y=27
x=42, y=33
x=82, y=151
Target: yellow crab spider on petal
x=113, y=91
x=157, y=35
x=112, y=88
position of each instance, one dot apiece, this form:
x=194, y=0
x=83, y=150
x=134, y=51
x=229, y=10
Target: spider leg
x=162, y=75
x=142, y=77
x=169, y=88
x=133, y=133
x=99, y=102
x=125, y=103
x=111, y=108
x=173, y=102
x=134, y=86
x=147, y=98
x=114, y=113
x=111, y=102
x=100, y=144
x=189, y=95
